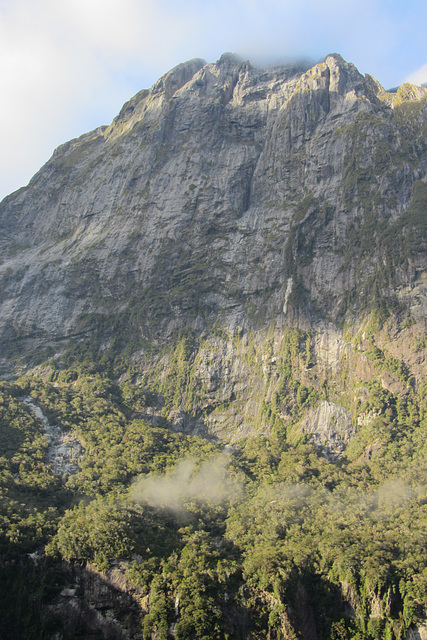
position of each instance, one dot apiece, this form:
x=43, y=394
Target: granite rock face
x=330, y=426
x=225, y=195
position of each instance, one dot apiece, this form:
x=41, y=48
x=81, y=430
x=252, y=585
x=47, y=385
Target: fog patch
x=378, y=503
x=393, y=493
x=210, y=482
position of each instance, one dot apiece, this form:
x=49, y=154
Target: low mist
x=210, y=482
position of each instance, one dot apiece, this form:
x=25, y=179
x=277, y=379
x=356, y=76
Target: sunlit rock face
x=216, y=187
x=329, y=426
x=233, y=196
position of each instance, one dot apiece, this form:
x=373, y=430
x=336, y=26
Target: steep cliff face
x=236, y=203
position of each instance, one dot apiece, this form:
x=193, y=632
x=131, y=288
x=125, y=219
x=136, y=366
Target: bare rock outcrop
x=215, y=189
x=329, y=426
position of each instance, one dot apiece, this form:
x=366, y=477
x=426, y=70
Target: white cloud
x=68, y=65
x=127, y=30
x=419, y=76
x=42, y=83
x=62, y=60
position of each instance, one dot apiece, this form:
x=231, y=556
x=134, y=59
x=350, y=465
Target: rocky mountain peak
x=224, y=188
x=229, y=59
x=173, y=80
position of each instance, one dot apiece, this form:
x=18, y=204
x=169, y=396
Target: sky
x=67, y=66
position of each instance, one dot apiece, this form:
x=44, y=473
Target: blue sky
x=67, y=66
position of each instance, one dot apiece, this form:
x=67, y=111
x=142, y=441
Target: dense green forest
x=265, y=538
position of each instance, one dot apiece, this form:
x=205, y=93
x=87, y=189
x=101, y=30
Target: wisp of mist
x=211, y=482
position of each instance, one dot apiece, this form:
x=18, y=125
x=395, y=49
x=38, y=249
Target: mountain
x=238, y=260
x=228, y=198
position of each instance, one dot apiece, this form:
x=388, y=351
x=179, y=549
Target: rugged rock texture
x=233, y=202
x=64, y=450
x=331, y=426
x=418, y=633
x=96, y=606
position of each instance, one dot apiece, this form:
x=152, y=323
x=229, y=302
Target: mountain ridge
x=66, y=159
